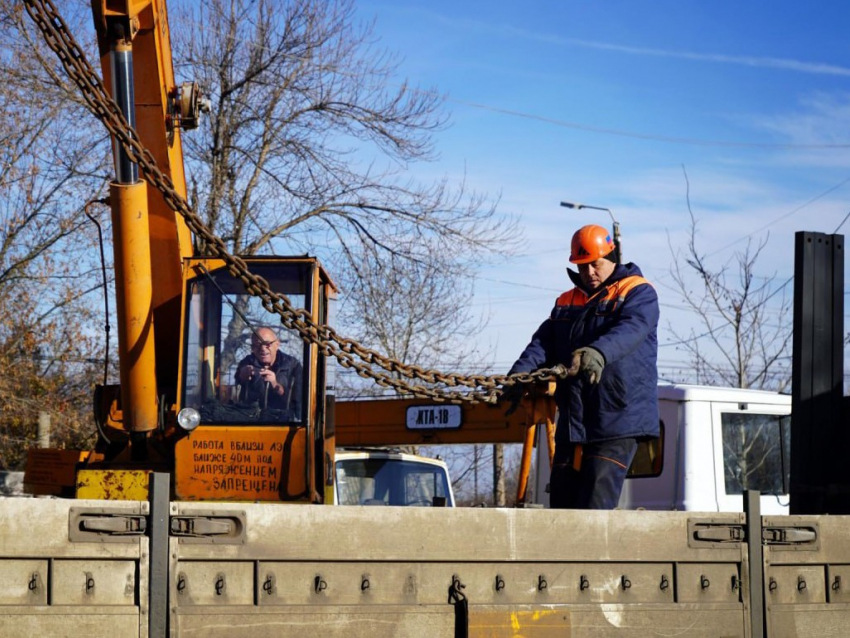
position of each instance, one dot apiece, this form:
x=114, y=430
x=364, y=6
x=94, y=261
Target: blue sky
x=605, y=103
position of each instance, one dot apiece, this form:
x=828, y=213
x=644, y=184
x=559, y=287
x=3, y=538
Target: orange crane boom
x=399, y=422
x=150, y=239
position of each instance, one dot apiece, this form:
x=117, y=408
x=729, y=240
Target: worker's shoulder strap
x=622, y=287
x=616, y=291
x=574, y=297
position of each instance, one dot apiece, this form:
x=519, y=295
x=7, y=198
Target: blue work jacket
x=620, y=320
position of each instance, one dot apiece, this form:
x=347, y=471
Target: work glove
x=589, y=362
x=512, y=394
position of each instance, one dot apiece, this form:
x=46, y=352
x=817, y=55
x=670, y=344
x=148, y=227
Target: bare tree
x=414, y=311
x=48, y=171
x=473, y=473
x=419, y=313
x=752, y=457
x=307, y=149
x=308, y=141
x=468, y=468
x=738, y=343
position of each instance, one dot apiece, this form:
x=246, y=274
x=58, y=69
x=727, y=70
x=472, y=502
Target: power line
x=606, y=131
x=519, y=284
x=785, y=216
x=646, y=136
x=841, y=224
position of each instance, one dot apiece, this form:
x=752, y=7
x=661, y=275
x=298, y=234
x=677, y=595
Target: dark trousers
x=589, y=476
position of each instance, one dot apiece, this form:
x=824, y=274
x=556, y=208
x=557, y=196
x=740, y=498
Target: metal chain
x=348, y=352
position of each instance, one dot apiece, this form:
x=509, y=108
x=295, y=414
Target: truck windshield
x=370, y=481
x=240, y=366
x=755, y=452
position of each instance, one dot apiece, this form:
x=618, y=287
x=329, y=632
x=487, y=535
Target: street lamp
x=618, y=247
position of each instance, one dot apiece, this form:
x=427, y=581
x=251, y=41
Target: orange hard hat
x=590, y=243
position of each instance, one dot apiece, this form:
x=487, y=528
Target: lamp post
x=618, y=247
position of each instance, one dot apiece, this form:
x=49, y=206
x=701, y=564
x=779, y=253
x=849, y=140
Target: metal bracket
x=802, y=538
x=35, y=584
x=270, y=585
x=219, y=527
x=715, y=533
x=461, y=605
x=220, y=584
x=105, y=525
x=89, y=586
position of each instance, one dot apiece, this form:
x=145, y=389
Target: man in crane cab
x=605, y=331
x=269, y=377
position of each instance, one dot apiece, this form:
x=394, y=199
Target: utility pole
x=498, y=475
x=43, y=429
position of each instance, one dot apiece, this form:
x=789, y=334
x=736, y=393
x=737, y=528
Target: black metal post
x=819, y=440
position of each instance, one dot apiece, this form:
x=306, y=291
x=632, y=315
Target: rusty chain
x=348, y=352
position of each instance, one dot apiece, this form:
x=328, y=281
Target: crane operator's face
x=264, y=346
x=596, y=272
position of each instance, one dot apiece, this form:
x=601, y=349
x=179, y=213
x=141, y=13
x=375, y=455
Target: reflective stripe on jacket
x=620, y=320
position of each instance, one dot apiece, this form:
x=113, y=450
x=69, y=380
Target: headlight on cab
x=188, y=419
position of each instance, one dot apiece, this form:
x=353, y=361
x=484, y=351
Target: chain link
x=349, y=353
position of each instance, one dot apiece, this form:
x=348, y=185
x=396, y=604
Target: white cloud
x=799, y=66
x=783, y=64
x=820, y=118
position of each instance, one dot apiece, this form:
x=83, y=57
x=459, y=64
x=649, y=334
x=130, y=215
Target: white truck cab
x=715, y=443
x=383, y=477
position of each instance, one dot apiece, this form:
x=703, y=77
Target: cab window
x=375, y=481
x=755, y=452
x=240, y=365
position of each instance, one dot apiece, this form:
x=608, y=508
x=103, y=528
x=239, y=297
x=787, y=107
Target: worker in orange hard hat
x=605, y=331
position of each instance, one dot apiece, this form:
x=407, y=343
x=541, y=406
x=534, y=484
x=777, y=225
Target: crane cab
x=242, y=437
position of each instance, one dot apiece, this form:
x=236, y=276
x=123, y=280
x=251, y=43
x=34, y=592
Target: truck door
x=750, y=451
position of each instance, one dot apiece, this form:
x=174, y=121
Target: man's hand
x=249, y=373
x=512, y=394
x=589, y=362
x=268, y=376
